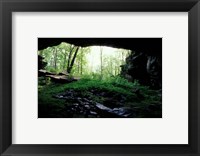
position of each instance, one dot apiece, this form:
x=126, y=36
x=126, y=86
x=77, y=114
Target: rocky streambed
x=102, y=104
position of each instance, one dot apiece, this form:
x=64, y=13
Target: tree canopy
x=82, y=61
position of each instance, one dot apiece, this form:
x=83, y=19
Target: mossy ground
x=148, y=102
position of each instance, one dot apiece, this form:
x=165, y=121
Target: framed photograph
x=79, y=79
x=99, y=77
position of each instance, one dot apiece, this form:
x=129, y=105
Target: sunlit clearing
x=94, y=57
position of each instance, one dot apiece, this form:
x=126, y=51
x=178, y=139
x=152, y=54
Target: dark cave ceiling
x=147, y=45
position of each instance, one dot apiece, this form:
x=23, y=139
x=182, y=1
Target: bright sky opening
x=94, y=57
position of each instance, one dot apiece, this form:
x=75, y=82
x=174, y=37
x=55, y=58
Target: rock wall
x=147, y=69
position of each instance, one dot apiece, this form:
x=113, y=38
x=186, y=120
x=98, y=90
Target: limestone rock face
x=147, y=69
x=154, y=70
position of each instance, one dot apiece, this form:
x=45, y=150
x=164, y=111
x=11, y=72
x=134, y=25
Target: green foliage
x=136, y=95
x=44, y=81
x=115, y=85
x=111, y=65
x=58, y=59
x=51, y=69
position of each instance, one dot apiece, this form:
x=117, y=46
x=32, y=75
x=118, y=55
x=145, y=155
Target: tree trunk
x=69, y=57
x=78, y=64
x=73, y=60
x=111, y=68
x=65, y=60
x=115, y=70
x=52, y=58
x=81, y=61
x=55, y=58
x=101, y=53
x=122, y=57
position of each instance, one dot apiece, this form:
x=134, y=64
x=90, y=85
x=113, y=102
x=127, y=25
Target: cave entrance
x=93, y=61
x=100, y=61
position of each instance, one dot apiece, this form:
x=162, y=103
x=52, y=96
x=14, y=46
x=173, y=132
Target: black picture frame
x=9, y=6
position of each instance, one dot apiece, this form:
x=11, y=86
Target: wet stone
x=87, y=106
x=93, y=113
x=76, y=104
